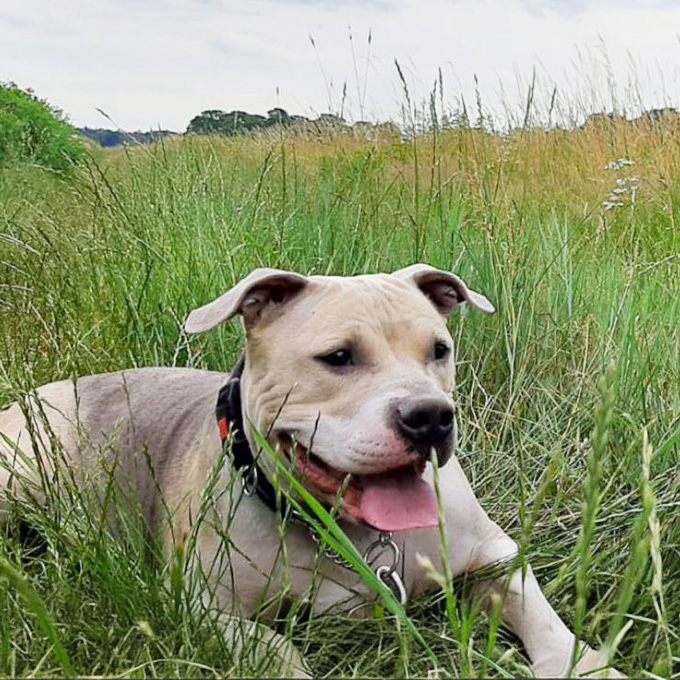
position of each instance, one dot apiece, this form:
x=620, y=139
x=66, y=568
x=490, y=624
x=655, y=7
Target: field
x=569, y=395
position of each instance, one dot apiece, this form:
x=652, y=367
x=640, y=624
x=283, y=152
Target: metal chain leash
x=331, y=554
x=388, y=574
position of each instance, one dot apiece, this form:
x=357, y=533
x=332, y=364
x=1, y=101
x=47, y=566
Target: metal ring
x=249, y=480
x=393, y=581
x=385, y=541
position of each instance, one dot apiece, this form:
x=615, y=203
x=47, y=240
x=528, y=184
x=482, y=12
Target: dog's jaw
x=393, y=500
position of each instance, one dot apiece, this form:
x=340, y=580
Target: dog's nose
x=425, y=421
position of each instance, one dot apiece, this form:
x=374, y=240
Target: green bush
x=33, y=130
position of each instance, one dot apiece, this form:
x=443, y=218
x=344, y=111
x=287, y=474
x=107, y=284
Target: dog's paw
x=593, y=664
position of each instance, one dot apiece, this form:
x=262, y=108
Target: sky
x=150, y=64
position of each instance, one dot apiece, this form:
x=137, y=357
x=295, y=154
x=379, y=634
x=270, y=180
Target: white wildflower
x=624, y=186
x=618, y=164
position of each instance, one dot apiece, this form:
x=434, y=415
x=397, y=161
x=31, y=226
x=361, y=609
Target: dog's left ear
x=255, y=298
x=445, y=290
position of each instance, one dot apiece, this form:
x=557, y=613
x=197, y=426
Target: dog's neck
x=231, y=423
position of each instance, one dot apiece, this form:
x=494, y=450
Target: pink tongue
x=398, y=502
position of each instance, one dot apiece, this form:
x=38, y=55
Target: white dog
x=345, y=376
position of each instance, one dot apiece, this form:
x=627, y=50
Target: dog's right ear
x=251, y=297
x=445, y=290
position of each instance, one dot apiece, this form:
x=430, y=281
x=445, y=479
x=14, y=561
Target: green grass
x=577, y=461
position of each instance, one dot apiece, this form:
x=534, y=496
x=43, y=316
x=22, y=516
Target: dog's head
x=352, y=375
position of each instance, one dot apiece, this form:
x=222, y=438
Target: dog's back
x=142, y=424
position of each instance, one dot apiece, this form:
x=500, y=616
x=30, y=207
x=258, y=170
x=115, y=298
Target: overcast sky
x=157, y=63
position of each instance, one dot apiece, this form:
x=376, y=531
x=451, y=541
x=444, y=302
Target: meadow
x=569, y=395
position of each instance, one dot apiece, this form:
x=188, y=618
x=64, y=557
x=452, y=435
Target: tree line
x=231, y=123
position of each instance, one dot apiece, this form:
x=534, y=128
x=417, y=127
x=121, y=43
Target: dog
x=351, y=381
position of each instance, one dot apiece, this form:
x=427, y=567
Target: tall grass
x=98, y=273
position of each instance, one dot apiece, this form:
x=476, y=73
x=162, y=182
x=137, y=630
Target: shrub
x=33, y=130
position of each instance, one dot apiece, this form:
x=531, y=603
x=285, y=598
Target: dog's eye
x=441, y=351
x=341, y=357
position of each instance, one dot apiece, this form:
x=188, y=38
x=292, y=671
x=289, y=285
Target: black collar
x=230, y=421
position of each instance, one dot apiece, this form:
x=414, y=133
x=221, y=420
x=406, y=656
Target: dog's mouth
x=396, y=500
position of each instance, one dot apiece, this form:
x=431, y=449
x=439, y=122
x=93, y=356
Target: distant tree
x=207, y=122
x=240, y=121
x=33, y=130
x=236, y=122
x=278, y=116
x=214, y=121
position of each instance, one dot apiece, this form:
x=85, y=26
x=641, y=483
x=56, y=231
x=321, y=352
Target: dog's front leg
x=476, y=542
x=546, y=638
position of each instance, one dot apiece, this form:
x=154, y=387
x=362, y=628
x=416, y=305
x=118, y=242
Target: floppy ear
x=445, y=290
x=251, y=297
